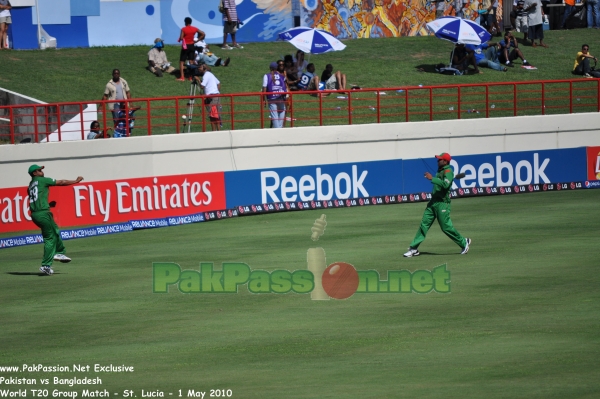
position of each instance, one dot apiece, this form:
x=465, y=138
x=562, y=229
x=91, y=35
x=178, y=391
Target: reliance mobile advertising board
x=114, y=201
x=171, y=200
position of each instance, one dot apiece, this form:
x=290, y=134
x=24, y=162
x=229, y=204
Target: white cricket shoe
x=47, y=270
x=62, y=258
x=412, y=252
x=466, y=248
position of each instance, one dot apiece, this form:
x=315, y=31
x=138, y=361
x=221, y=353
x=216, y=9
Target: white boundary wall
x=175, y=154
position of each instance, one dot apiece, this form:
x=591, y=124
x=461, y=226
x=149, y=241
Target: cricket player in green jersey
x=38, y=191
x=439, y=207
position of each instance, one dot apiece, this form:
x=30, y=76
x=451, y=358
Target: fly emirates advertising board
x=104, y=202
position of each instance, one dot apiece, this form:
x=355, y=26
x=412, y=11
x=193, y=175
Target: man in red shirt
x=188, y=52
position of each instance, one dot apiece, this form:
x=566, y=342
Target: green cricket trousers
x=52, y=242
x=441, y=211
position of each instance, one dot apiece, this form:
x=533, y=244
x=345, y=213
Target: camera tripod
x=187, y=118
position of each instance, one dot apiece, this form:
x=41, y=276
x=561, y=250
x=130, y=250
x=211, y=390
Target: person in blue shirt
x=124, y=122
x=309, y=80
x=486, y=55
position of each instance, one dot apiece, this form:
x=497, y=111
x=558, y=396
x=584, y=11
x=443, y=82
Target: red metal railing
x=50, y=122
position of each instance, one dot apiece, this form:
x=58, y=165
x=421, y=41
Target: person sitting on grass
x=309, y=81
x=582, y=62
x=462, y=58
x=510, y=44
x=157, y=59
x=205, y=56
x=300, y=62
x=333, y=81
x=486, y=55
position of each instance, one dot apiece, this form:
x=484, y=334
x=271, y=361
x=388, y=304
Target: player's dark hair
x=188, y=21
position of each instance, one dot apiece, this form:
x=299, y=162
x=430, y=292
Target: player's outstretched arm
x=69, y=182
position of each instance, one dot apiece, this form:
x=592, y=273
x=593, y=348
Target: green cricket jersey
x=38, y=193
x=442, y=183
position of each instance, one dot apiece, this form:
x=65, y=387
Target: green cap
x=33, y=168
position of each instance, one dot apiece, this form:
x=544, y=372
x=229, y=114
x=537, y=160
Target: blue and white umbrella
x=312, y=41
x=458, y=30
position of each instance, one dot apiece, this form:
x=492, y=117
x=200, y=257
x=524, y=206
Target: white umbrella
x=312, y=41
x=458, y=30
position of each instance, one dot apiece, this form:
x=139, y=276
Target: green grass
x=521, y=321
x=81, y=75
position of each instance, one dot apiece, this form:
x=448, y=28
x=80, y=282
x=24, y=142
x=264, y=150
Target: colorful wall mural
x=84, y=23
x=378, y=18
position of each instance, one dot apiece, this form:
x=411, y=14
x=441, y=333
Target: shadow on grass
x=426, y=68
x=436, y=254
x=39, y=274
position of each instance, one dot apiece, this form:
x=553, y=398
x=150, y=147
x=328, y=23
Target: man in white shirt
x=212, y=87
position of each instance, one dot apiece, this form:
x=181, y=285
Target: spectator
x=204, y=56
x=440, y=7
x=288, y=101
x=593, y=14
x=291, y=73
x=157, y=59
x=274, y=83
x=188, y=53
x=116, y=89
x=462, y=58
x=486, y=55
x=333, y=81
x=582, y=62
x=309, y=81
x=125, y=121
x=5, y=20
x=95, y=132
x=510, y=44
x=569, y=7
x=211, y=87
x=300, y=62
x=459, y=6
x=493, y=20
x=520, y=14
x=485, y=10
x=230, y=24
x=535, y=21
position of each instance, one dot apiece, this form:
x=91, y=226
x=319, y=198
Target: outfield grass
x=80, y=74
x=68, y=75
x=522, y=319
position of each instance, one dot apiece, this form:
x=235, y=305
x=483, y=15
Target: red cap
x=445, y=156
